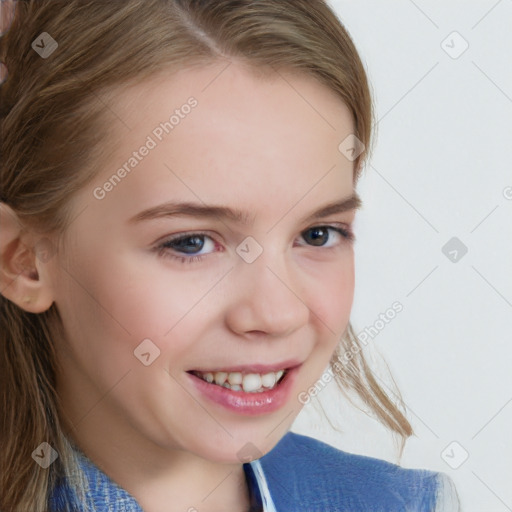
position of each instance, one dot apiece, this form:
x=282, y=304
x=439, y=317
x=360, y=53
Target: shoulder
x=304, y=471
x=88, y=489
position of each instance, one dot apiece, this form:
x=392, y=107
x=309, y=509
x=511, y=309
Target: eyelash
x=164, y=247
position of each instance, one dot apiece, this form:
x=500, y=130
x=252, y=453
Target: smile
x=238, y=381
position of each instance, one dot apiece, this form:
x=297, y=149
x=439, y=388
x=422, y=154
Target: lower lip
x=248, y=404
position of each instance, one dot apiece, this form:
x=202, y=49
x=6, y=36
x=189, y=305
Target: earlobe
x=22, y=277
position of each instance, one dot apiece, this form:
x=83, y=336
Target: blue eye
x=188, y=244
x=191, y=244
x=193, y=247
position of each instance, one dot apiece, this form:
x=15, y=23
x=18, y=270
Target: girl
x=177, y=195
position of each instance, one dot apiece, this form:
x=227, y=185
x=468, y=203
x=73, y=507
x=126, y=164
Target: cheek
x=155, y=301
x=331, y=303
x=331, y=298
x=108, y=309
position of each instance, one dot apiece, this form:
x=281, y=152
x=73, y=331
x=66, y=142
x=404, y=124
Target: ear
x=24, y=276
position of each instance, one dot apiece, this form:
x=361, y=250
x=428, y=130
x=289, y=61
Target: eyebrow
x=197, y=210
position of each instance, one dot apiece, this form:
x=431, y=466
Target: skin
x=252, y=143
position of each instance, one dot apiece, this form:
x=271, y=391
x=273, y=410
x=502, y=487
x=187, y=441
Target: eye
x=196, y=245
x=319, y=235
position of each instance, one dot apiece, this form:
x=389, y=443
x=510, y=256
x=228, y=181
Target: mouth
x=247, y=382
x=247, y=390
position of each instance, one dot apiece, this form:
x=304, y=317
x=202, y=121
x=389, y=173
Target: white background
x=441, y=167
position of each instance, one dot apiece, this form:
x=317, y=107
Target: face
x=157, y=298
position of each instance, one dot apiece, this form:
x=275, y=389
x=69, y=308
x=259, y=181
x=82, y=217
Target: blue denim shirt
x=300, y=474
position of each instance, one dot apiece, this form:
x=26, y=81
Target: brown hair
x=53, y=119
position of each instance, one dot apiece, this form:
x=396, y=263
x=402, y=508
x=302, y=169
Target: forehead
x=224, y=134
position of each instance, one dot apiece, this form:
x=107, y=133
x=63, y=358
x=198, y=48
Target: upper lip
x=252, y=368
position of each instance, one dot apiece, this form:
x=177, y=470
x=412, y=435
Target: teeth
x=220, y=377
x=268, y=380
x=235, y=378
x=249, y=383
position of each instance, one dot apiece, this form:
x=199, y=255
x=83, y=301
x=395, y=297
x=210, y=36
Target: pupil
x=319, y=236
x=190, y=244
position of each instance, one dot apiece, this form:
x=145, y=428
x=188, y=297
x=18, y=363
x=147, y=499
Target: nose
x=265, y=298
